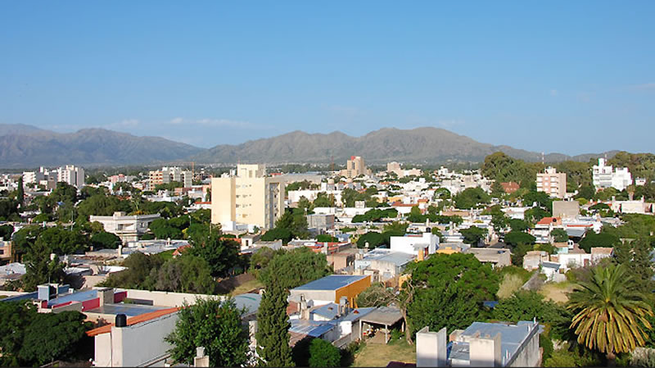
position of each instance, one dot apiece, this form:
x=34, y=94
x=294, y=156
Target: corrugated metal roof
x=332, y=282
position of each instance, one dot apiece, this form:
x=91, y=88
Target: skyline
x=216, y=73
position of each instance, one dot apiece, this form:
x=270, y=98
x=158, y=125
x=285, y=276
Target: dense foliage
x=215, y=325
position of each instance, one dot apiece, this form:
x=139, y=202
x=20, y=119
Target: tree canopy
x=447, y=291
x=215, y=325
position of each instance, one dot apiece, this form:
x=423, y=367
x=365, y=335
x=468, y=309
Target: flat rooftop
x=332, y=282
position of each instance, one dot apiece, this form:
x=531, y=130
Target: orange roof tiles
x=133, y=320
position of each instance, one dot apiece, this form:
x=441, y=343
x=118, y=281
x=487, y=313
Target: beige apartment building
x=169, y=174
x=249, y=197
x=355, y=167
x=552, y=182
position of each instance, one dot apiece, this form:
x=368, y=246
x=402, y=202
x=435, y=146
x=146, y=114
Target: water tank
x=121, y=320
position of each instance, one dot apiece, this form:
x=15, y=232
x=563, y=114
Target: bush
x=323, y=354
x=509, y=284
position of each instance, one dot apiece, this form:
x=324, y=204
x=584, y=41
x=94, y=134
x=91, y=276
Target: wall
x=351, y=291
x=143, y=342
x=163, y=298
x=529, y=355
x=223, y=200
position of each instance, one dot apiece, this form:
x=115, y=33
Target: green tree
x=587, y=192
x=323, y=354
x=273, y=324
x=278, y=233
x=447, y=291
x=6, y=231
x=497, y=190
x=221, y=254
x=560, y=235
x=473, y=235
x=471, y=198
x=326, y=238
x=610, y=313
x=139, y=266
x=52, y=336
x=373, y=238
x=415, y=215
x=105, y=240
x=525, y=305
x=185, y=274
x=602, y=239
x=15, y=317
x=64, y=192
x=518, y=225
x=215, y=325
x=636, y=256
x=514, y=238
x=295, y=267
x=40, y=268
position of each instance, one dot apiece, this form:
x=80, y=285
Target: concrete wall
x=141, y=343
x=529, y=354
x=164, y=298
x=431, y=348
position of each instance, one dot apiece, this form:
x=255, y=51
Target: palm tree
x=610, y=311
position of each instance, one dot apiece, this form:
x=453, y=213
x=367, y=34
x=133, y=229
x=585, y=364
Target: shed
x=383, y=316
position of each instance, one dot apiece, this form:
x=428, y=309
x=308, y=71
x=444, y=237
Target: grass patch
x=509, y=285
x=556, y=292
x=167, y=254
x=378, y=355
x=246, y=287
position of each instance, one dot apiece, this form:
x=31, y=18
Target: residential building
x=604, y=177
x=394, y=167
x=249, y=197
x=30, y=177
x=552, y=182
x=320, y=222
x=5, y=251
x=566, y=209
x=355, y=167
x=71, y=174
x=330, y=289
x=128, y=228
x=497, y=257
x=169, y=174
x=481, y=345
x=420, y=245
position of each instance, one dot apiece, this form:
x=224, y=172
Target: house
x=481, y=345
x=330, y=289
x=498, y=257
x=5, y=252
x=510, y=187
x=128, y=228
x=534, y=259
x=566, y=209
x=387, y=264
x=419, y=245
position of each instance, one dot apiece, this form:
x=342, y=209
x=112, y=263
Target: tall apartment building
x=552, y=182
x=249, y=197
x=71, y=174
x=604, y=176
x=169, y=174
x=355, y=167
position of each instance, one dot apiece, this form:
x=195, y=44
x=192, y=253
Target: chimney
x=201, y=360
x=485, y=351
x=304, y=311
x=431, y=348
x=343, y=306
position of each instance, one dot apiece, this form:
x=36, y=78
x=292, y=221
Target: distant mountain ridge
x=23, y=146
x=420, y=145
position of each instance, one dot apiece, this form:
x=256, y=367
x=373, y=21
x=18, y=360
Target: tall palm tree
x=610, y=312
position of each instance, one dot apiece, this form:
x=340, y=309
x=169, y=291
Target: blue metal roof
x=130, y=310
x=332, y=282
x=310, y=328
x=81, y=296
x=329, y=311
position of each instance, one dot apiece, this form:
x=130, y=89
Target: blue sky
x=556, y=76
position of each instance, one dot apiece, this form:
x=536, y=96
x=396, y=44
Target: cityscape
x=327, y=184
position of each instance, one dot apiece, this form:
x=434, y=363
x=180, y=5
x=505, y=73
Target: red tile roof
x=133, y=320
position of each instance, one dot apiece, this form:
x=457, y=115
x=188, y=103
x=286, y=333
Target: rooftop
x=332, y=282
x=134, y=320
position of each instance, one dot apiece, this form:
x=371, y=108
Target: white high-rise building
x=604, y=177
x=250, y=197
x=71, y=174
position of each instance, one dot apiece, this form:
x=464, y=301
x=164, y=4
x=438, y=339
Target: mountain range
x=23, y=146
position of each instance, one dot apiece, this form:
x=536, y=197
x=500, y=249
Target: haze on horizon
x=568, y=77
